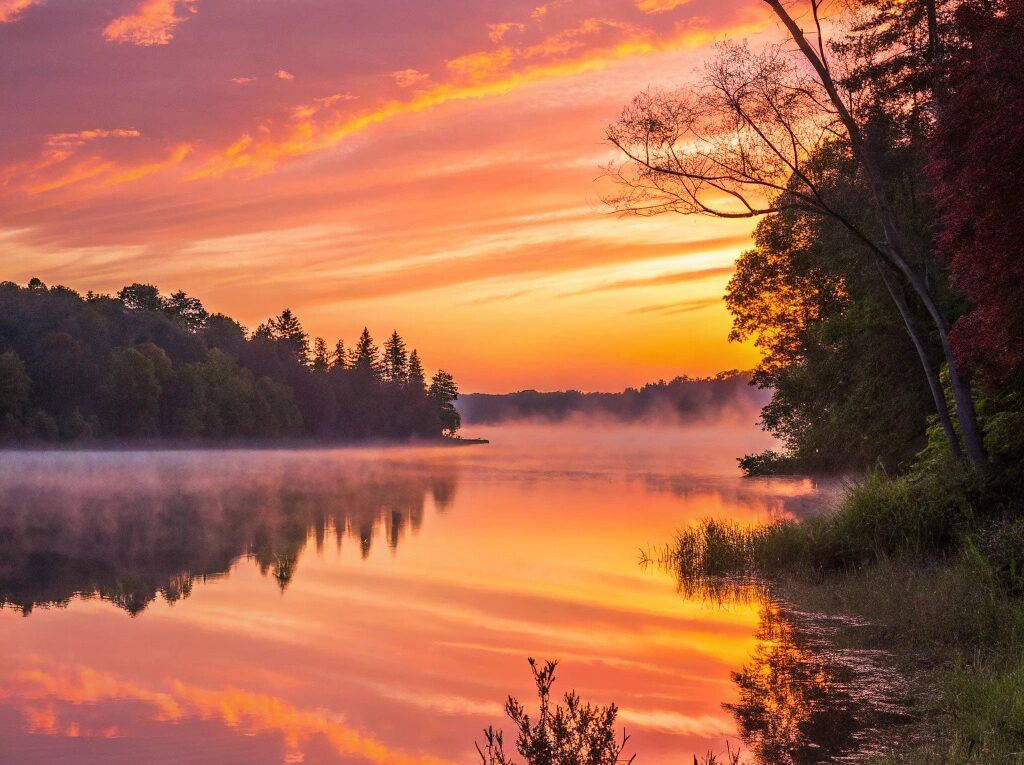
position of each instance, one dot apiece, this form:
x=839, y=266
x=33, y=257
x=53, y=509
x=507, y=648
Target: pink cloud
x=659, y=6
x=406, y=78
x=242, y=80
x=497, y=32
x=283, y=74
x=152, y=23
x=10, y=10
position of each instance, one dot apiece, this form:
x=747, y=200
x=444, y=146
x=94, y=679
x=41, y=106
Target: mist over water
x=365, y=605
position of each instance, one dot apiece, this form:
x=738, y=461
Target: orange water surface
x=364, y=605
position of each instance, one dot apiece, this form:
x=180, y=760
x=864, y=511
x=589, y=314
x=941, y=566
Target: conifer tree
x=339, y=359
x=367, y=356
x=321, y=359
x=288, y=329
x=416, y=378
x=396, y=359
x=443, y=392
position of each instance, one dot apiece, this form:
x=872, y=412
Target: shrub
x=574, y=734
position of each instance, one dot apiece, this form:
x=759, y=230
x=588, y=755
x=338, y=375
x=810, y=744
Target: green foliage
x=577, y=733
x=847, y=391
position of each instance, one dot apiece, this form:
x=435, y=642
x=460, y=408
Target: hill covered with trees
x=145, y=366
x=684, y=399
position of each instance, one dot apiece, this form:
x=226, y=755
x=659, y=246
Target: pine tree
x=396, y=359
x=288, y=329
x=321, y=359
x=366, y=353
x=443, y=392
x=339, y=359
x=416, y=378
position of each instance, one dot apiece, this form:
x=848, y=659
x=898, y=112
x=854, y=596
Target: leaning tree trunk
x=894, y=250
x=934, y=385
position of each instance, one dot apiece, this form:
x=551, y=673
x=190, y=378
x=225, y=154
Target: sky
x=433, y=167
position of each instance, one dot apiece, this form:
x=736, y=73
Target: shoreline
x=239, y=446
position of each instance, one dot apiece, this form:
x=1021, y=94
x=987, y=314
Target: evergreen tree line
x=142, y=365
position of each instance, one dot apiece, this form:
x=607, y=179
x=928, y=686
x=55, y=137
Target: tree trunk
x=894, y=240
x=934, y=385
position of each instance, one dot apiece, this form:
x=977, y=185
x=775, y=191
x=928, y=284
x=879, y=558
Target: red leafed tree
x=977, y=168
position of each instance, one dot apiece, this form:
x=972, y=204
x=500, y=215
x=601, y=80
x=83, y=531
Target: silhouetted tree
x=396, y=359
x=321, y=358
x=140, y=297
x=444, y=392
x=97, y=368
x=186, y=310
x=416, y=378
x=367, y=356
x=339, y=359
x=287, y=328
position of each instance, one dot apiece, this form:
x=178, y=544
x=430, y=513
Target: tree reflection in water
x=793, y=706
x=132, y=533
x=805, y=696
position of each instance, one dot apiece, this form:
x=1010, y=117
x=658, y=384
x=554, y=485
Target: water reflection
x=806, y=694
x=416, y=581
x=166, y=523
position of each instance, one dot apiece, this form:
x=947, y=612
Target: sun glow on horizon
x=450, y=189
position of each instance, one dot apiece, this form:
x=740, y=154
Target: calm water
x=363, y=605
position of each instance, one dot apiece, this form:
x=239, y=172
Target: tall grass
x=934, y=561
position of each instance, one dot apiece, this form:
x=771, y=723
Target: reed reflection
x=129, y=531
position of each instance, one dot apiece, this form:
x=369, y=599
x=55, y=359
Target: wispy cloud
x=662, y=280
x=497, y=32
x=659, y=6
x=406, y=78
x=685, y=306
x=284, y=74
x=152, y=23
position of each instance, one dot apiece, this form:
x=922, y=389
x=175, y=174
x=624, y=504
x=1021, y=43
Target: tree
x=132, y=394
x=366, y=354
x=321, y=358
x=416, y=378
x=287, y=328
x=339, y=358
x=443, y=393
x=14, y=385
x=99, y=369
x=186, y=310
x=976, y=163
x=396, y=359
x=140, y=297
x=742, y=146
x=840, y=367
x=575, y=734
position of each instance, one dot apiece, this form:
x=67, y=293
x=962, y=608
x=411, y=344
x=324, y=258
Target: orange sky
x=427, y=166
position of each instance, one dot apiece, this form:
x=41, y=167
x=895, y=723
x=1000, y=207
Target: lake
x=365, y=605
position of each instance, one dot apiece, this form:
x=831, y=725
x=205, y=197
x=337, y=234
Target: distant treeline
x=680, y=400
x=141, y=365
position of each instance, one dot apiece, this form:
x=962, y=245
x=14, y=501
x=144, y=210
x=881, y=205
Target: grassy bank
x=933, y=562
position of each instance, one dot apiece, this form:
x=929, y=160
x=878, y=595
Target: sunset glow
x=368, y=163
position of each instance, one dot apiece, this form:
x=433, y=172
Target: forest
x=141, y=365
x=879, y=153
x=681, y=400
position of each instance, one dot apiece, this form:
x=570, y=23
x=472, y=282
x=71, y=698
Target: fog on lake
x=365, y=605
